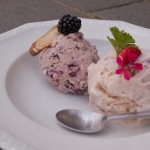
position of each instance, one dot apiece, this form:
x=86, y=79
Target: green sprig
x=121, y=40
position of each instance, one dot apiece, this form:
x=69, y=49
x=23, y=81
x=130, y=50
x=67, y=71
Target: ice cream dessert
x=120, y=82
x=65, y=55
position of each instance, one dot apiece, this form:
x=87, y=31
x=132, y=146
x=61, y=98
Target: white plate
x=28, y=103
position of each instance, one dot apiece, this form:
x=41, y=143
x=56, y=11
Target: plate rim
x=27, y=26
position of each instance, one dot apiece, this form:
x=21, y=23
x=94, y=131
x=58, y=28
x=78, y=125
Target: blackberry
x=69, y=24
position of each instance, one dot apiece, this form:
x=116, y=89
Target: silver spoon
x=91, y=122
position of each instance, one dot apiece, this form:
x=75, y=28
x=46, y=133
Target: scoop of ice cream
x=65, y=63
x=111, y=93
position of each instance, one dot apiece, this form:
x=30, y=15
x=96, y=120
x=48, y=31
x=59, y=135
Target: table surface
x=14, y=13
x=17, y=12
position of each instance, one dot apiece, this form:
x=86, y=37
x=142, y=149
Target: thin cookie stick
x=44, y=41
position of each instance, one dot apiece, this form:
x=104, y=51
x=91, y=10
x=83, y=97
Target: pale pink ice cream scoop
x=65, y=63
x=112, y=94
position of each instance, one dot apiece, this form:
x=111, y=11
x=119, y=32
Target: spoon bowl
x=91, y=122
x=81, y=121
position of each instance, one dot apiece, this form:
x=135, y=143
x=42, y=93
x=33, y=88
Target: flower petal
x=120, y=71
x=127, y=75
x=137, y=66
x=120, y=62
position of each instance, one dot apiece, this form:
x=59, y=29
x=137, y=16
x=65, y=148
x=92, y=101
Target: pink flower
x=126, y=61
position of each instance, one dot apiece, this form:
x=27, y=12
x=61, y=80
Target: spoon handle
x=133, y=115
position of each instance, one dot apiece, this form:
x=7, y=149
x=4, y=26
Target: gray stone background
x=14, y=13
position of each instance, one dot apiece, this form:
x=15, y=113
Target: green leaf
x=121, y=40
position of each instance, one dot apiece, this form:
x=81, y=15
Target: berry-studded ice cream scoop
x=65, y=59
